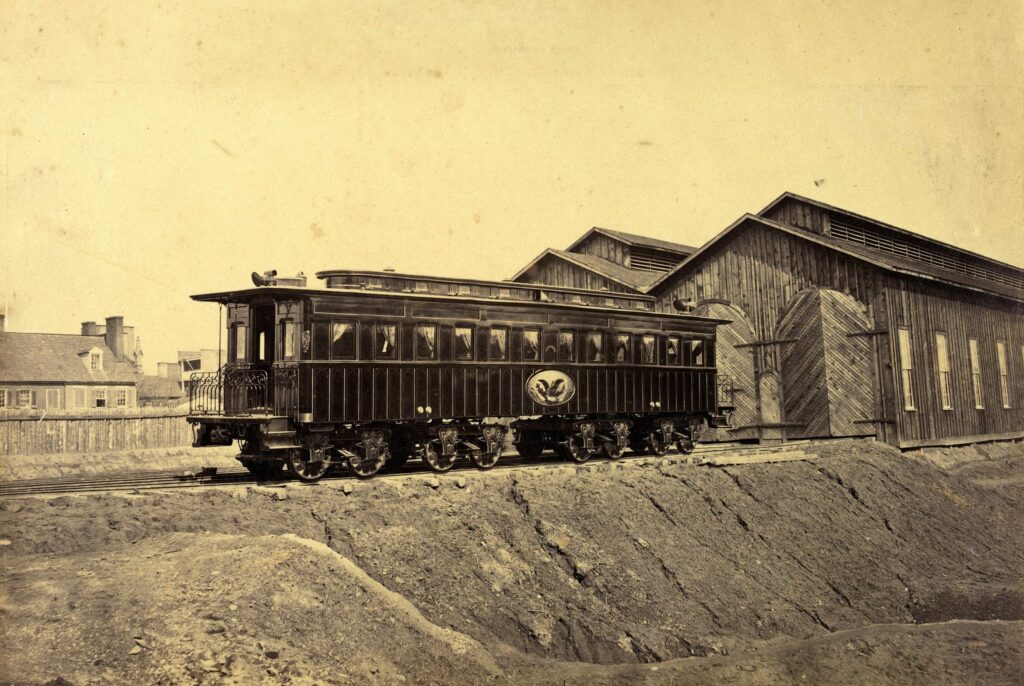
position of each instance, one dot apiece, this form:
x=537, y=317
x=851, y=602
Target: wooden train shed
x=843, y=325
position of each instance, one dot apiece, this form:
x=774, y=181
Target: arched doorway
x=735, y=366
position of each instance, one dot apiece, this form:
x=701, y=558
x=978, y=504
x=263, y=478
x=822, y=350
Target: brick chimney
x=114, y=336
x=90, y=329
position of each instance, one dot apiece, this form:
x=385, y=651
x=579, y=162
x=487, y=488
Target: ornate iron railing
x=726, y=391
x=237, y=390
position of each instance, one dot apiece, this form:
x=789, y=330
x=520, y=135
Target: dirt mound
x=613, y=564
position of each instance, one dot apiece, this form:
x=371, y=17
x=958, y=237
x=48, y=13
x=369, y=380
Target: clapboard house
x=842, y=325
x=606, y=259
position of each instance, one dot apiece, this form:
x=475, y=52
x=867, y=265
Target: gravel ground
x=865, y=565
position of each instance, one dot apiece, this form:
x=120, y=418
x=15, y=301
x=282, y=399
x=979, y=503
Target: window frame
x=96, y=362
x=1004, y=374
x=942, y=370
x=52, y=393
x=353, y=333
x=560, y=348
x=679, y=350
x=643, y=339
x=627, y=348
x=241, y=346
x=289, y=331
x=594, y=340
x=121, y=394
x=977, y=384
x=99, y=394
x=24, y=405
x=536, y=348
x=490, y=343
x=416, y=342
x=395, y=341
x=906, y=367
x=3, y=399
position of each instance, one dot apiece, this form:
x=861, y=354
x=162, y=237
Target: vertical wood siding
x=36, y=434
x=610, y=249
x=554, y=271
x=929, y=308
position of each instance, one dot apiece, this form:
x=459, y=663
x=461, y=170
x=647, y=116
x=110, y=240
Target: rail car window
x=623, y=348
x=498, y=343
x=593, y=347
x=979, y=399
x=385, y=345
x=238, y=350
x=343, y=340
x=648, y=349
x=426, y=342
x=531, y=345
x=694, y=353
x=288, y=339
x=566, y=346
x=672, y=350
x=463, y=343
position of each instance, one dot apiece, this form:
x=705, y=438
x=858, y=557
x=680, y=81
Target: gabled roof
x=888, y=227
x=153, y=387
x=635, y=239
x=883, y=260
x=636, y=280
x=58, y=358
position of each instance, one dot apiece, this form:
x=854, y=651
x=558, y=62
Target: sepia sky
x=150, y=151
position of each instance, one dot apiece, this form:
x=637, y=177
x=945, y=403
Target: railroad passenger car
x=379, y=367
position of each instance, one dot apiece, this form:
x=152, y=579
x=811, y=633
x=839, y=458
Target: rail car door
x=263, y=322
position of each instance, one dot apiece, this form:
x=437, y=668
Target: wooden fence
x=34, y=432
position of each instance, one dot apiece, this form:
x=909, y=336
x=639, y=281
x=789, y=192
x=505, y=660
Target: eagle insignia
x=551, y=387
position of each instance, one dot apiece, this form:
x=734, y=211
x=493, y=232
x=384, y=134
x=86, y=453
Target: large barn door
x=850, y=375
x=735, y=365
x=826, y=372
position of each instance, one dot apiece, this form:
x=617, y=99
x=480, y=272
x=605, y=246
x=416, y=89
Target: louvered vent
x=895, y=245
x=650, y=261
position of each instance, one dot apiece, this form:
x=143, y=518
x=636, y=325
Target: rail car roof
x=253, y=293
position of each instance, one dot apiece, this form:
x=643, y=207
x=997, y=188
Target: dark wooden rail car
x=380, y=367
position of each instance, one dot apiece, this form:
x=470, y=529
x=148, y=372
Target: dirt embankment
x=817, y=571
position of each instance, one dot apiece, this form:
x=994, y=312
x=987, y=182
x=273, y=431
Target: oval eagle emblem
x=550, y=387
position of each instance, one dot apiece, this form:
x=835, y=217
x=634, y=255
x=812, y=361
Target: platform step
x=280, y=439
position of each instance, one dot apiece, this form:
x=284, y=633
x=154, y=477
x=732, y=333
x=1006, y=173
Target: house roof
x=58, y=358
x=884, y=260
x=152, y=387
x=888, y=227
x=636, y=280
x=635, y=239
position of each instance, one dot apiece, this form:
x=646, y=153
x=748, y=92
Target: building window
x=593, y=347
x=979, y=400
x=1004, y=386
x=672, y=350
x=648, y=349
x=122, y=397
x=426, y=342
x=463, y=346
x=386, y=342
x=3, y=397
x=25, y=399
x=99, y=397
x=942, y=365
x=623, y=348
x=343, y=340
x=96, y=362
x=906, y=368
x=498, y=343
x=531, y=345
x=566, y=346
x=52, y=398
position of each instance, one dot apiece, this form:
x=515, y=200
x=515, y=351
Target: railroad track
x=174, y=479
